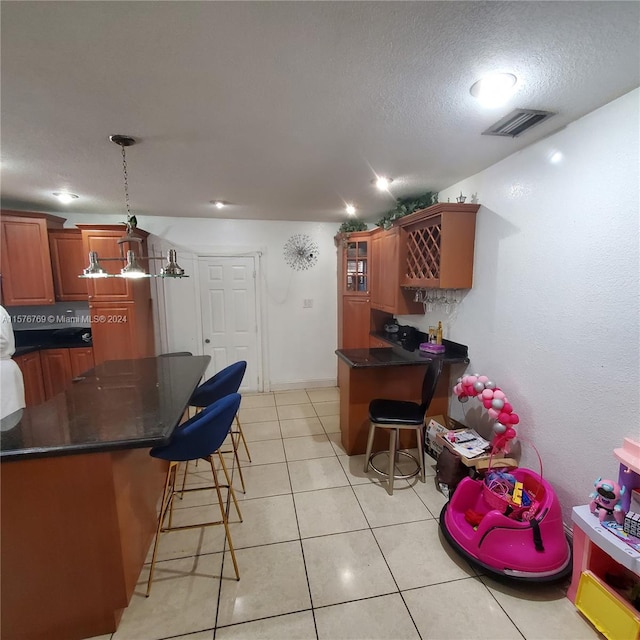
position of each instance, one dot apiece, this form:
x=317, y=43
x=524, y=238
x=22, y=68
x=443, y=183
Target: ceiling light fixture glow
x=65, y=197
x=350, y=209
x=556, y=157
x=383, y=183
x=494, y=90
x=218, y=204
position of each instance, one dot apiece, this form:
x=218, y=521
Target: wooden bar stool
x=395, y=415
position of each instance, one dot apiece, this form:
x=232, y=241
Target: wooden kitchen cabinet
x=356, y=322
x=56, y=371
x=439, y=246
x=120, y=308
x=121, y=330
x=31, y=368
x=81, y=360
x=24, y=258
x=104, y=241
x=355, y=267
x=389, y=258
x=68, y=260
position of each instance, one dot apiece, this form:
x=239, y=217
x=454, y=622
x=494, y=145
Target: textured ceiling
x=286, y=110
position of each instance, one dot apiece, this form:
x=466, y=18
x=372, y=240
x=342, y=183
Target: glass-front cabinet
x=356, y=266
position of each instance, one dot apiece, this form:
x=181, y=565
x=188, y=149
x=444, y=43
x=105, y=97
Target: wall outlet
x=307, y=303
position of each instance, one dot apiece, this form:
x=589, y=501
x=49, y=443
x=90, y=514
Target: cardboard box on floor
x=434, y=426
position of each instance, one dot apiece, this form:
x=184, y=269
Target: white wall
x=299, y=343
x=553, y=315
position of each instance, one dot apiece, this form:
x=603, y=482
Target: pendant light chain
x=126, y=182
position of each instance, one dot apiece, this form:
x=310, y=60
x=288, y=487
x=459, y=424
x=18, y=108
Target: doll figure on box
x=605, y=500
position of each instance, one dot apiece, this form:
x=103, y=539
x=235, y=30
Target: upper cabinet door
x=356, y=264
x=104, y=241
x=25, y=262
x=67, y=262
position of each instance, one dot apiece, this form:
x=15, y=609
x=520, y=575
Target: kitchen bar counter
x=79, y=496
x=392, y=372
x=121, y=404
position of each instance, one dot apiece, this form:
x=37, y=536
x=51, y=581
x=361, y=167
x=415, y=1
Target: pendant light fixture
x=132, y=268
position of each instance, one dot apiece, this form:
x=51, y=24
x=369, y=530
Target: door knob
x=207, y=341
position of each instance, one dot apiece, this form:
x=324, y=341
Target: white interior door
x=230, y=315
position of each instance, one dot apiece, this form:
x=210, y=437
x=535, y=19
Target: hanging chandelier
x=131, y=268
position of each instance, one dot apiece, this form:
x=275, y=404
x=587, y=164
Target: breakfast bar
x=388, y=372
x=79, y=495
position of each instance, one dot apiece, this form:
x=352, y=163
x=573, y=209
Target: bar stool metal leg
x=393, y=443
x=367, y=456
x=420, y=434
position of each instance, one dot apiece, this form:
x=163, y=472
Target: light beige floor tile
x=262, y=452
x=183, y=599
x=256, y=431
x=328, y=511
x=293, y=411
x=307, y=447
x=258, y=414
x=265, y=480
x=429, y=494
x=293, y=626
x=325, y=394
x=418, y=557
x=203, y=635
x=336, y=441
x=265, y=521
x=331, y=424
x=541, y=611
x=463, y=609
x=317, y=473
x=353, y=467
x=284, y=398
x=300, y=427
x=272, y=582
x=346, y=566
x=105, y=637
x=191, y=542
x=378, y=618
x=262, y=400
x=382, y=509
x=327, y=408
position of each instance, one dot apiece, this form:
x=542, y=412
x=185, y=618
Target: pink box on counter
x=429, y=347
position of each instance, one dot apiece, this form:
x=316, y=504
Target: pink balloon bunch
x=495, y=401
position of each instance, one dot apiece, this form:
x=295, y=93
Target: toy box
x=434, y=426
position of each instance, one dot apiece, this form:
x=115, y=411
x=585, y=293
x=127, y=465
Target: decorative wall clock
x=300, y=252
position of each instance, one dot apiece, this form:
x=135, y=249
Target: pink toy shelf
x=597, y=552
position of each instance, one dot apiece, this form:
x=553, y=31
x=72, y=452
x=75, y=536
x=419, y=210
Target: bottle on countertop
x=439, y=333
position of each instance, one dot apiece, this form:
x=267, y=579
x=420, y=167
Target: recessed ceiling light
x=219, y=204
x=383, y=183
x=350, y=209
x=65, y=197
x=495, y=89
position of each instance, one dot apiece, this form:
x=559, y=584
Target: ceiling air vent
x=517, y=122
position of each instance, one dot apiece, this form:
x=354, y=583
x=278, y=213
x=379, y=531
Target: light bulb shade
x=172, y=269
x=94, y=270
x=132, y=269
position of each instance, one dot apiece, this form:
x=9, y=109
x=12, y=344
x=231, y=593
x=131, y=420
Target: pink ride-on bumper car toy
x=525, y=543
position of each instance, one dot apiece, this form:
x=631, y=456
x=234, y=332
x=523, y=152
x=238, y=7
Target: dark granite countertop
x=396, y=355
x=121, y=404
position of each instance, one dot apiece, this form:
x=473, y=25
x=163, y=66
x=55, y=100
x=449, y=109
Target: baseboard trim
x=305, y=384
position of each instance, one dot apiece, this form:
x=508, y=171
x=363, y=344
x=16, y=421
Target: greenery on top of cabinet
x=406, y=206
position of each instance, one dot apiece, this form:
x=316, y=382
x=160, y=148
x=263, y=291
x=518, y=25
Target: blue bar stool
x=399, y=414
x=198, y=438
x=226, y=381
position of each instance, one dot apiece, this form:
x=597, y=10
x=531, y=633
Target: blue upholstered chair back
x=203, y=434
x=226, y=381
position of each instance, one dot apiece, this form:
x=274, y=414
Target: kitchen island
x=79, y=495
x=388, y=372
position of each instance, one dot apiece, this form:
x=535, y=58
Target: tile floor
x=325, y=553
